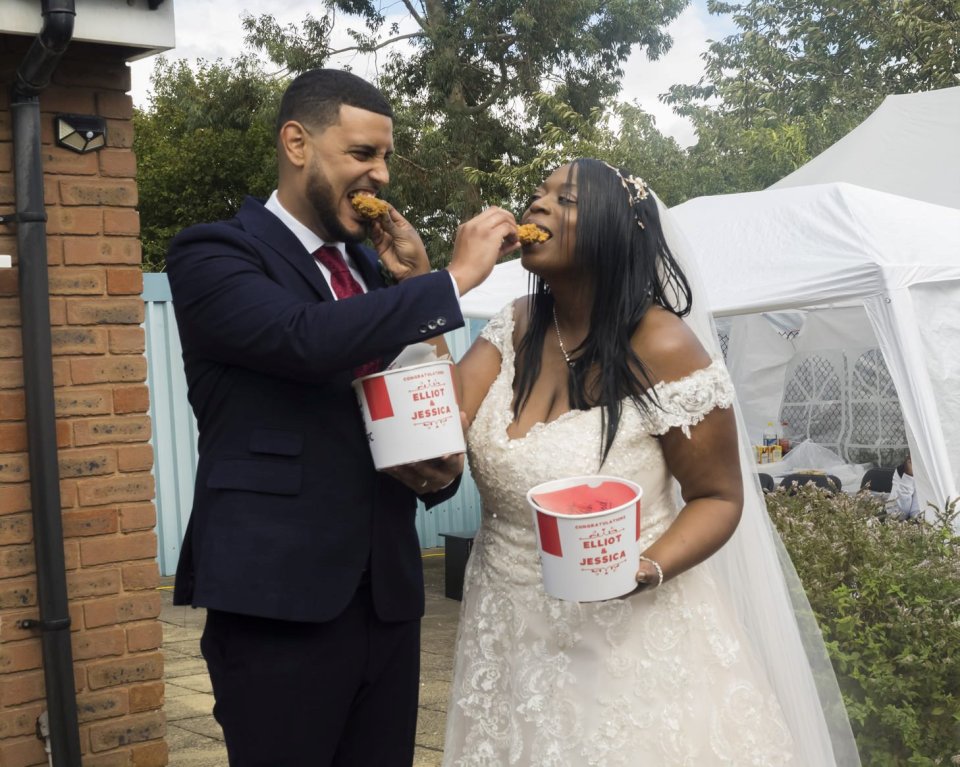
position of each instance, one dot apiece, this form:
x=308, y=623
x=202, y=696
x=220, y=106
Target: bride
x=606, y=368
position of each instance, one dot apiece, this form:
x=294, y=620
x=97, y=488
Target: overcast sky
x=210, y=29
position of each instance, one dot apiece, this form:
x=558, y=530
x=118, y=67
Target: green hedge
x=887, y=596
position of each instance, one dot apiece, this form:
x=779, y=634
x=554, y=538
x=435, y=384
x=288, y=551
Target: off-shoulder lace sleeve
x=687, y=401
x=499, y=330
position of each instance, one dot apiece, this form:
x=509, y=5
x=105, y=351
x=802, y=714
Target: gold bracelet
x=656, y=564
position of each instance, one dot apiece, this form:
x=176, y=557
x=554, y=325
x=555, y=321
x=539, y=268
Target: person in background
x=902, y=501
x=305, y=556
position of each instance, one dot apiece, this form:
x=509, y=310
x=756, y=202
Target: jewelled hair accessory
x=636, y=187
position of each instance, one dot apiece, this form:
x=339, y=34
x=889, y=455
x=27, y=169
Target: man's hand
x=427, y=477
x=399, y=246
x=480, y=243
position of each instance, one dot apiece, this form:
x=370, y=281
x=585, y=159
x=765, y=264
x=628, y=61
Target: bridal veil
x=755, y=569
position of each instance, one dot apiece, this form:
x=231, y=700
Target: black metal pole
x=32, y=76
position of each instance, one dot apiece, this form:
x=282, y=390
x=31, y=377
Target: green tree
x=619, y=133
x=205, y=140
x=463, y=94
x=800, y=74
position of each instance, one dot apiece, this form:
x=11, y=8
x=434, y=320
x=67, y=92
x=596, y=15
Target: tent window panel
x=820, y=422
x=812, y=406
x=877, y=433
x=793, y=422
x=871, y=379
x=864, y=424
x=826, y=423
x=862, y=454
x=813, y=379
x=831, y=388
x=800, y=387
x=892, y=429
x=724, y=339
x=893, y=456
x=866, y=373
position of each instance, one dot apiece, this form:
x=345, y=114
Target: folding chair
x=766, y=482
x=879, y=480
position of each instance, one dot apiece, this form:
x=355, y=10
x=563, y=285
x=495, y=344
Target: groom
x=306, y=557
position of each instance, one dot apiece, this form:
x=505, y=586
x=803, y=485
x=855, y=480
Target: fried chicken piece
x=369, y=206
x=530, y=233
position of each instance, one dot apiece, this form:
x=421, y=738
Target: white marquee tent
x=909, y=146
x=880, y=271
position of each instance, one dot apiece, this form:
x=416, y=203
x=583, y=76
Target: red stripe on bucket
x=378, y=398
x=549, y=534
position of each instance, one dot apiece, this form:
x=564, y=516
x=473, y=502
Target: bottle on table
x=770, y=436
x=772, y=451
x=784, y=439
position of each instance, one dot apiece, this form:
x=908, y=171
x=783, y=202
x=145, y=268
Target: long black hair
x=628, y=268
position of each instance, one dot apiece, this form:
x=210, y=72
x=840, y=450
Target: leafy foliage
x=490, y=96
x=622, y=134
x=462, y=88
x=887, y=597
x=206, y=141
x=800, y=74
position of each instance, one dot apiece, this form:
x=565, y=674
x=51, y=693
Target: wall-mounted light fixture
x=80, y=133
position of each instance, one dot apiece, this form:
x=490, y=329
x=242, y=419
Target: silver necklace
x=563, y=349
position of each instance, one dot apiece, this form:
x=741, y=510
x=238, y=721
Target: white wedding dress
x=659, y=679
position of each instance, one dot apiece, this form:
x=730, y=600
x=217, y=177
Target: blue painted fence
x=175, y=434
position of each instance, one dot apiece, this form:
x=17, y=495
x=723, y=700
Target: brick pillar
x=103, y=430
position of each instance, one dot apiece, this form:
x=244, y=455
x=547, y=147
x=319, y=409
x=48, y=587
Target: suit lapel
x=265, y=226
x=367, y=265
x=270, y=230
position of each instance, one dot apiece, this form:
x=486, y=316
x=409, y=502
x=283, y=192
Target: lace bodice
x=505, y=468
x=548, y=683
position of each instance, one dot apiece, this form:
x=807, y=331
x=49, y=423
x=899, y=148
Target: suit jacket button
x=441, y=321
x=432, y=325
x=423, y=329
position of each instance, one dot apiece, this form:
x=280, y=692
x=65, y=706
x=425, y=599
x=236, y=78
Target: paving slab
x=193, y=736
x=187, y=706
x=427, y=757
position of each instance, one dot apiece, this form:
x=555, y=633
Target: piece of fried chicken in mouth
x=531, y=233
x=369, y=206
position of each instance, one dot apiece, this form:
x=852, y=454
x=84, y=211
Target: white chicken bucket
x=588, y=534
x=411, y=413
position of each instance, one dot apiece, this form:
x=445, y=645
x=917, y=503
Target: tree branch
x=378, y=46
x=408, y=161
x=494, y=93
x=509, y=37
x=416, y=16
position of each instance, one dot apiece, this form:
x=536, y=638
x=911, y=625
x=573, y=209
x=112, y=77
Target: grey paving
x=195, y=739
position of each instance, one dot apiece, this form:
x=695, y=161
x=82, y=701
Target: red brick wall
x=102, y=430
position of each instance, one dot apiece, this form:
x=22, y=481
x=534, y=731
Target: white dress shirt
x=903, y=496
x=312, y=242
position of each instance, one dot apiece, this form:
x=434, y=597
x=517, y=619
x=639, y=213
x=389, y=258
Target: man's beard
x=320, y=196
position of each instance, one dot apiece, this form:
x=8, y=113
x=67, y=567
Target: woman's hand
x=399, y=246
x=480, y=243
x=649, y=574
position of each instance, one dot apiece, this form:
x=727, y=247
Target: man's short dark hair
x=315, y=97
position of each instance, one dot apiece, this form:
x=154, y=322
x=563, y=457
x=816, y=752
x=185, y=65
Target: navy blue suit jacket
x=288, y=508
